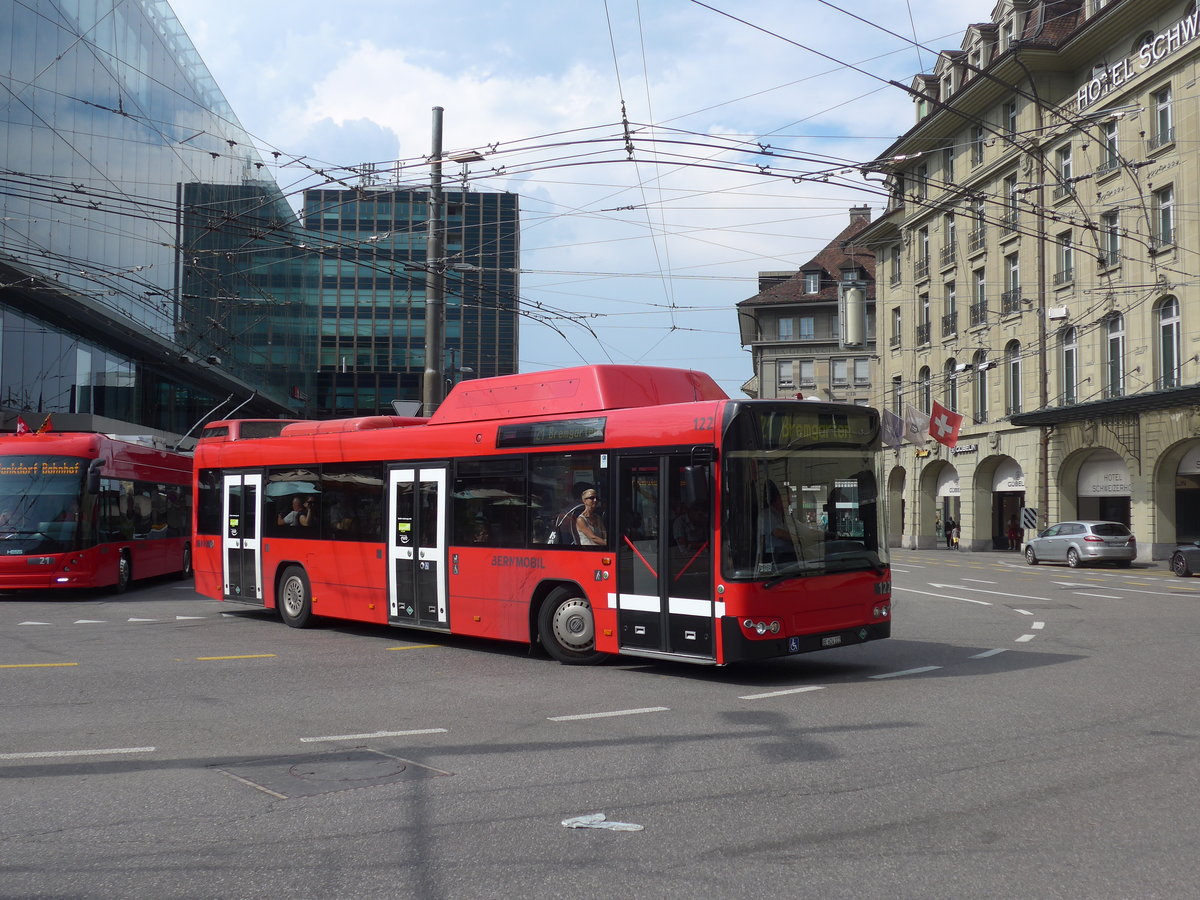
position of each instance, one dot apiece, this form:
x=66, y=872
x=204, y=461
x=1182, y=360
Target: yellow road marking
x=36, y=665
x=414, y=647
x=247, y=656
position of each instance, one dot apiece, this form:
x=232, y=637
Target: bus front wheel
x=567, y=629
x=294, y=598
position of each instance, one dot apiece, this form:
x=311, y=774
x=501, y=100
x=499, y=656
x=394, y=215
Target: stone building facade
x=1037, y=273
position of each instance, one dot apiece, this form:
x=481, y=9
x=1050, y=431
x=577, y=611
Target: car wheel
x=567, y=628
x=1073, y=558
x=1179, y=565
x=1030, y=556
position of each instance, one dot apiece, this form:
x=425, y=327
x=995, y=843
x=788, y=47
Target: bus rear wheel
x=294, y=598
x=567, y=628
x=185, y=570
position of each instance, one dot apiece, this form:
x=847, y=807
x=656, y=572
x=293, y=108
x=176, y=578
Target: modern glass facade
x=125, y=180
x=371, y=288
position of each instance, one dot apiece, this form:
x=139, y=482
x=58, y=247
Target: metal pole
x=434, y=389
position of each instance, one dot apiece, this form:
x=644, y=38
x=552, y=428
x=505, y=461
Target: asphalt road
x=1027, y=732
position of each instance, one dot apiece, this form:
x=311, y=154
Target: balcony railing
x=1065, y=276
x=977, y=240
x=1162, y=138
x=923, y=334
x=1010, y=302
x=1108, y=165
x=979, y=314
x=921, y=269
x=1011, y=220
x=949, y=324
x=895, y=277
x=947, y=257
x=1110, y=258
x=895, y=340
x=1062, y=191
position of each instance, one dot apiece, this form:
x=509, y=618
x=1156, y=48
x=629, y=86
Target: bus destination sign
x=38, y=468
x=543, y=434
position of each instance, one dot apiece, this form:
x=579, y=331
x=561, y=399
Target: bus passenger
x=301, y=513
x=589, y=523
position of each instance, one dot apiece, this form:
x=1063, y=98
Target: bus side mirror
x=93, y=476
x=695, y=485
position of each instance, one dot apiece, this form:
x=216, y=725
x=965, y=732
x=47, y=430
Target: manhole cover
x=324, y=773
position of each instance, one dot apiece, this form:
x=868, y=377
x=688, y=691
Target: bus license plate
x=832, y=641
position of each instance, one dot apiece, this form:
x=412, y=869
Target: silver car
x=1080, y=543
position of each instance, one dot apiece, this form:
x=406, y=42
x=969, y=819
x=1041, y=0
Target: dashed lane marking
x=37, y=665
x=243, y=656
x=916, y=671
x=799, y=690
x=50, y=754
x=987, y=653
x=609, y=715
x=373, y=734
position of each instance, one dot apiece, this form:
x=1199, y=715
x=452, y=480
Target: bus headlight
x=761, y=627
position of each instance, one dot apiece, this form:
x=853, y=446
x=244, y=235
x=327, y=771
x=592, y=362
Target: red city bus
x=88, y=510
x=720, y=530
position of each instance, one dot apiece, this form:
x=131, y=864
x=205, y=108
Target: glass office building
x=371, y=285
x=125, y=180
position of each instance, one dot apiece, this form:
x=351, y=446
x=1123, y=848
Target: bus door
x=241, y=544
x=417, y=516
x=664, y=558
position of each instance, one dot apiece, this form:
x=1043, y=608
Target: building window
x=839, y=373
x=1164, y=125
x=951, y=384
x=948, y=165
x=898, y=395
x=925, y=384
x=896, y=326
x=1069, y=351
x=808, y=373
x=1010, y=116
x=923, y=324
x=1066, y=259
x=981, y=386
x=976, y=145
x=1114, y=357
x=921, y=264
x=1010, y=299
x=808, y=328
x=950, y=238
x=921, y=182
x=787, y=328
x=1012, y=381
x=862, y=371
x=1110, y=157
x=1164, y=217
x=812, y=282
x=978, y=298
x=1110, y=238
x=1064, y=167
x=785, y=374
x=949, y=310
x=895, y=256
x=1169, y=343
x=849, y=276
x=1012, y=206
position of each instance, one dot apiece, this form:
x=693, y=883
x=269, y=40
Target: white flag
x=916, y=425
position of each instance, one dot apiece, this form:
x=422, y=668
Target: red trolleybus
x=85, y=510
x=596, y=510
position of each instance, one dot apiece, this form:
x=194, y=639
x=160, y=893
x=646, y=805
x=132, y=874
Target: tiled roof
x=840, y=253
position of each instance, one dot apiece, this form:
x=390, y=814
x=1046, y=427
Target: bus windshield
x=801, y=491
x=39, y=503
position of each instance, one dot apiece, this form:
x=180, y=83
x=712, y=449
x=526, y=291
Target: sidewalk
x=1018, y=556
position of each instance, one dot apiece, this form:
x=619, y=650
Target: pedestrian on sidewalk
x=951, y=527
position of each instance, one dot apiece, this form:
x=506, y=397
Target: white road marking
x=987, y=653
x=185, y=618
x=998, y=593
x=1025, y=638
x=979, y=581
x=1101, y=596
x=1023, y=612
x=799, y=690
x=906, y=672
x=142, y=620
x=52, y=754
x=373, y=734
x=943, y=596
x=1038, y=626
x=89, y=621
x=33, y=623
x=608, y=715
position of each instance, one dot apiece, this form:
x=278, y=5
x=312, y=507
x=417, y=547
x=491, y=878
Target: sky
x=665, y=151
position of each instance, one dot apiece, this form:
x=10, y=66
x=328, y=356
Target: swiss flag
x=944, y=425
x=22, y=428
